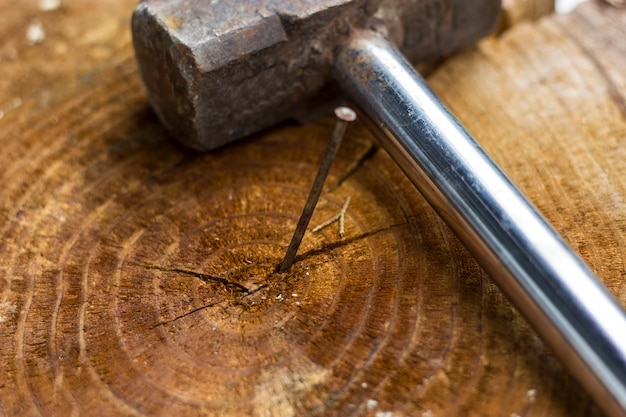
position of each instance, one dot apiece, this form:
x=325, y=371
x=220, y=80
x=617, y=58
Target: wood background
x=136, y=278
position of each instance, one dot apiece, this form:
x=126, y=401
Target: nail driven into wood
x=344, y=115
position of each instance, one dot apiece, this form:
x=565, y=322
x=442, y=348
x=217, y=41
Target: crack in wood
x=244, y=290
x=229, y=285
x=367, y=155
x=206, y=278
x=341, y=243
x=182, y=316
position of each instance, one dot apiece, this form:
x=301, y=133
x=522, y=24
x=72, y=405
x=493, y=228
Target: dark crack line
x=207, y=278
x=342, y=243
x=211, y=278
x=369, y=153
x=182, y=316
x=302, y=257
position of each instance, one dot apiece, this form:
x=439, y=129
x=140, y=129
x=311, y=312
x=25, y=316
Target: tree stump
x=138, y=278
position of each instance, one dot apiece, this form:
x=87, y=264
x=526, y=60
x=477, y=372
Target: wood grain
x=517, y=11
x=137, y=278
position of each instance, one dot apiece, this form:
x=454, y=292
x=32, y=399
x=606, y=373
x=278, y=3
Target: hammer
x=219, y=70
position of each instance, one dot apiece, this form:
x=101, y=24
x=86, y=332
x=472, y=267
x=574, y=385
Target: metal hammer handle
x=542, y=276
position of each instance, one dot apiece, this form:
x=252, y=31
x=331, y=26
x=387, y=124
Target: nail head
x=345, y=113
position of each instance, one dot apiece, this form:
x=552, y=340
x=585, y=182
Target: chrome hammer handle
x=548, y=283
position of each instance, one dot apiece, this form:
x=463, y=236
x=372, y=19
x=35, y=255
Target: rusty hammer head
x=219, y=70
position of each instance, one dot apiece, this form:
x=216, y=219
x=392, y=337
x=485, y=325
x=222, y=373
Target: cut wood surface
x=137, y=278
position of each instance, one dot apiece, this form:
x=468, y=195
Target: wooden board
x=136, y=278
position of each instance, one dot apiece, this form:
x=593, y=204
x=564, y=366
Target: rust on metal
x=216, y=71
